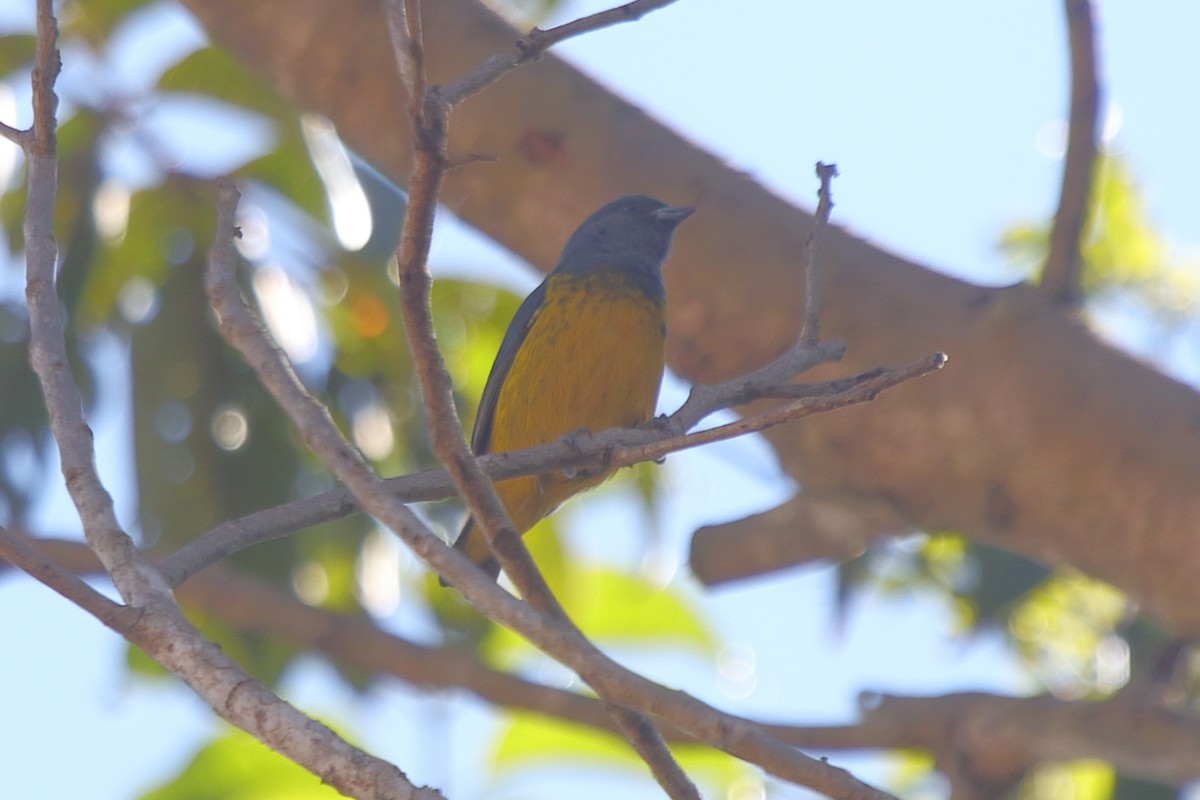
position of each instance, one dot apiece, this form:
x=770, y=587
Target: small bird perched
x=584, y=351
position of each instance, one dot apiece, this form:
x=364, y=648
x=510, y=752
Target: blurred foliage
x=93, y=22
x=1123, y=252
x=1066, y=631
x=1077, y=637
x=614, y=609
x=530, y=741
x=1082, y=779
x=982, y=584
x=134, y=220
x=236, y=766
x=913, y=775
x=527, y=13
x=209, y=445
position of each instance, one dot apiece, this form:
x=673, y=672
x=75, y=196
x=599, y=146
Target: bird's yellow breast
x=592, y=359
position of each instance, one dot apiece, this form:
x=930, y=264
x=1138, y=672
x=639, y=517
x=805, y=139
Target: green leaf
x=1090, y=779
x=95, y=20
x=157, y=217
x=464, y=625
x=16, y=51
x=1002, y=580
x=530, y=741
x=288, y=170
x=1060, y=631
x=1122, y=247
x=288, y=167
x=471, y=320
x=213, y=72
x=618, y=607
x=1126, y=787
x=238, y=767
x=22, y=410
x=614, y=608
x=1122, y=250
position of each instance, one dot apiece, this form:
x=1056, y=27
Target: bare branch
x=138, y=582
x=813, y=525
x=15, y=135
x=539, y=41
x=404, y=25
x=532, y=47
x=46, y=66
x=859, y=389
x=1002, y=736
x=616, y=447
x=1064, y=261
x=46, y=570
x=412, y=254
x=171, y=641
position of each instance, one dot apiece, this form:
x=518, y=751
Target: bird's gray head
x=634, y=229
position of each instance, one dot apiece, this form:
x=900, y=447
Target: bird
x=584, y=351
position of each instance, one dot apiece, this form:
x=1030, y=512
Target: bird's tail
x=471, y=543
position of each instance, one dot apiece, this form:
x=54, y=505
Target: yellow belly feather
x=592, y=360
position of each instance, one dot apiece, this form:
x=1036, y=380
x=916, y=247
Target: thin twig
x=404, y=25
x=20, y=553
x=1064, y=259
x=15, y=135
x=810, y=332
x=611, y=448
x=531, y=47
x=138, y=582
x=859, y=389
x=539, y=41
x=412, y=255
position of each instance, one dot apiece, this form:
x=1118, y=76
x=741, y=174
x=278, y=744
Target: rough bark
x=1037, y=437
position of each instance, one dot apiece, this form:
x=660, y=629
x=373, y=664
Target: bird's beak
x=675, y=214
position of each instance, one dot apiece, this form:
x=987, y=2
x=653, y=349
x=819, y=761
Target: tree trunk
x=1037, y=437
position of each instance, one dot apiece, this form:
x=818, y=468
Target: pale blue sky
x=934, y=112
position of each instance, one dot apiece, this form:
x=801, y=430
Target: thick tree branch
x=1041, y=439
x=1064, y=261
x=999, y=737
x=811, y=526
